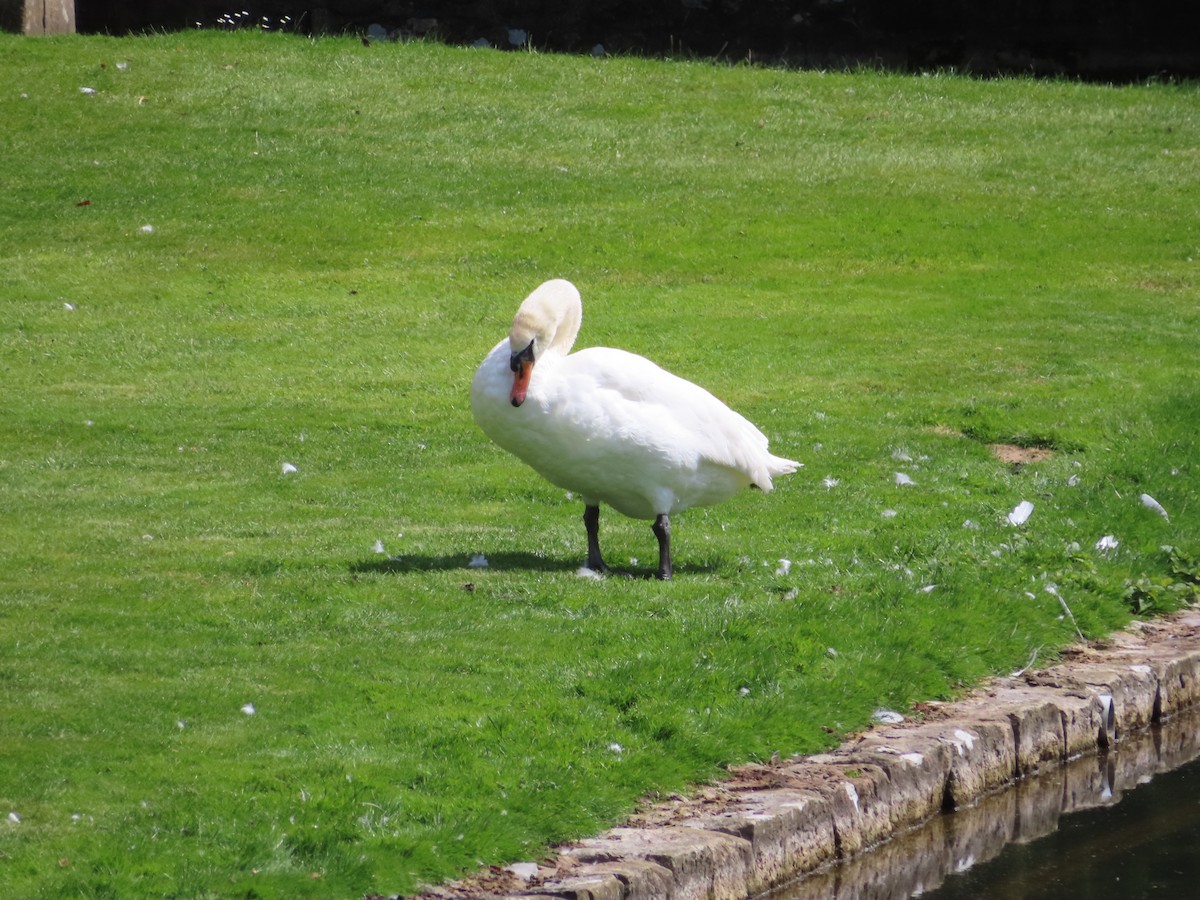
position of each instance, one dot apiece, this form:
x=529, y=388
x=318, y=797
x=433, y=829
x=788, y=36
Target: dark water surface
x=1148, y=845
x=1123, y=826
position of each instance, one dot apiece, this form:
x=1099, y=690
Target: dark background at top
x=1115, y=40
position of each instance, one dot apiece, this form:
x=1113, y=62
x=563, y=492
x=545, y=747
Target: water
x=1146, y=846
x=1118, y=827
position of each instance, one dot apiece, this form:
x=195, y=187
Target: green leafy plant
x=1178, y=587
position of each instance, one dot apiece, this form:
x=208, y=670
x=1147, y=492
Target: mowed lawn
x=245, y=280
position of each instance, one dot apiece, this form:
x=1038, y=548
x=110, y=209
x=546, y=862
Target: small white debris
x=69, y=307
x=378, y=547
x=289, y=469
x=792, y=594
x=181, y=724
x=831, y=653
x=745, y=691
x=1107, y=544
x=616, y=748
x=478, y=561
x=524, y=870
x=785, y=566
x=1021, y=513
x=903, y=480
x=147, y=229
x=1073, y=481
x=1150, y=503
x=249, y=709
x=889, y=514
x=122, y=67
x=14, y=818
x=966, y=737
x=901, y=455
x=830, y=482
x=87, y=90
x=970, y=525
x=913, y=759
x=887, y=716
x=585, y=572
x=928, y=589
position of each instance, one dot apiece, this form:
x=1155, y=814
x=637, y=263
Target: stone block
x=703, y=864
x=585, y=887
x=789, y=831
x=983, y=758
x=1133, y=688
x=917, y=766
x=643, y=880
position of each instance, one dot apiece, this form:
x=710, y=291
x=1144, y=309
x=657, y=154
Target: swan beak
x=522, y=366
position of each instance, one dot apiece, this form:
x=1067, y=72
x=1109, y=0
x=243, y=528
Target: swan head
x=521, y=364
x=547, y=321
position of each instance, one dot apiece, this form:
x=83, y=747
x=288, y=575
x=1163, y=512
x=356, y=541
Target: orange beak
x=522, y=366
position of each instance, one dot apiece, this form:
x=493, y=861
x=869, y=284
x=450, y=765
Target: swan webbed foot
x=662, y=531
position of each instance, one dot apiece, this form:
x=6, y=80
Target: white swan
x=611, y=426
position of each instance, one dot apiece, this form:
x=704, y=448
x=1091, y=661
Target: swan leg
x=662, y=531
x=591, y=522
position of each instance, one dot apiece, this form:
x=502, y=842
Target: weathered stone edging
x=772, y=823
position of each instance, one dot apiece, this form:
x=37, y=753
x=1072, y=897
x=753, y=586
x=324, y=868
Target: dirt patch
x=1012, y=455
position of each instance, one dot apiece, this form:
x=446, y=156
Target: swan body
x=612, y=426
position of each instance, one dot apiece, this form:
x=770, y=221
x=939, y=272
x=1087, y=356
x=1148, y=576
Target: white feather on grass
x=1052, y=589
x=1021, y=513
x=903, y=480
x=1150, y=503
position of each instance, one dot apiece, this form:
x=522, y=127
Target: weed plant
x=224, y=253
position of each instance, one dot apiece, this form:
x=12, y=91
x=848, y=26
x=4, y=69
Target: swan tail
x=775, y=466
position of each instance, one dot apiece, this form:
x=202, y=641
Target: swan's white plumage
x=611, y=426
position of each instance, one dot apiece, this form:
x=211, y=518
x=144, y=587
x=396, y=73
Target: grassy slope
x=868, y=266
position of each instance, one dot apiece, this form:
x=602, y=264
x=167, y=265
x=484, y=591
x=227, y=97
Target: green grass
x=869, y=266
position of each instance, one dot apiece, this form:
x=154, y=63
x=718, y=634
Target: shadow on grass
x=400, y=565
x=500, y=562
